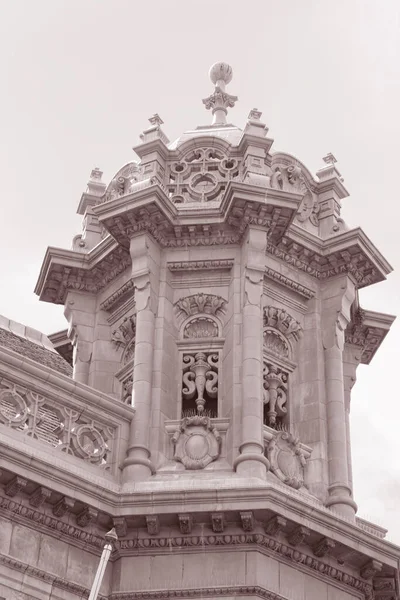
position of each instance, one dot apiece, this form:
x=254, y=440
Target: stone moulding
x=118, y=296
x=64, y=270
x=201, y=265
x=349, y=253
x=291, y=284
x=57, y=528
x=272, y=547
x=208, y=592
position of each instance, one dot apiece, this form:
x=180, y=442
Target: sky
x=80, y=78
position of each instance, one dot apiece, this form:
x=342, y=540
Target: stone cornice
x=200, y=224
x=289, y=283
x=126, y=547
x=348, y=252
x=367, y=330
x=64, y=270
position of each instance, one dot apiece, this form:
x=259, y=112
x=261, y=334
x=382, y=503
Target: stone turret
x=212, y=307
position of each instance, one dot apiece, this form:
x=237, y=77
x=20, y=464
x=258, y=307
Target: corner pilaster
x=138, y=466
x=337, y=298
x=251, y=461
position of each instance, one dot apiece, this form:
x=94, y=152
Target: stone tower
x=213, y=317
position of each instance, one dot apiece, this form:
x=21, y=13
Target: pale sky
x=81, y=77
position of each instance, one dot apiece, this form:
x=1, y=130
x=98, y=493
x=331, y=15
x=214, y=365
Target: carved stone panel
x=197, y=442
x=287, y=459
x=200, y=379
x=275, y=393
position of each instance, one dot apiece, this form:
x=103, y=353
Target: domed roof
x=227, y=132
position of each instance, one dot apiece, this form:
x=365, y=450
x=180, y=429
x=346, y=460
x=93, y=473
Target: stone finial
x=156, y=120
x=329, y=159
x=255, y=114
x=95, y=186
x=220, y=75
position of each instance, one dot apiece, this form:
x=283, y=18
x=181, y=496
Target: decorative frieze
x=269, y=544
x=275, y=525
x=15, y=485
x=39, y=496
x=201, y=265
x=118, y=296
x=325, y=267
x=46, y=522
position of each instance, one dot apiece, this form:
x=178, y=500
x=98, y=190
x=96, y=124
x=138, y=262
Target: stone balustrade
x=50, y=408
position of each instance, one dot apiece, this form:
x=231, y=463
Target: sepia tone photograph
x=199, y=310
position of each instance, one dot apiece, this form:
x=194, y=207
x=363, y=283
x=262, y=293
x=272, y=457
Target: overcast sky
x=81, y=77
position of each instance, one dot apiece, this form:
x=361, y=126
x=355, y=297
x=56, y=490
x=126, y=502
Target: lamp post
x=110, y=537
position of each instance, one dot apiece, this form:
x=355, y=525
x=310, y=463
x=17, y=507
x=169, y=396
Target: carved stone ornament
x=197, y=442
x=275, y=343
x=281, y=320
x=287, y=459
x=200, y=377
x=200, y=327
x=200, y=303
x=288, y=178
x=309, y=210
x=274, y=392
x=124, y=336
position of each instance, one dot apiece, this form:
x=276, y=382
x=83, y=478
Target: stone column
x=337, y=298
x=80, y=311
x=351, y=360
x=137, y=466
x=251, y=461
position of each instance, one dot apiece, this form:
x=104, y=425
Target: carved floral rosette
x=287, y=459
x=197, y=442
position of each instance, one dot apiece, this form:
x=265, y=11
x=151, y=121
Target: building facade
x=214, y=333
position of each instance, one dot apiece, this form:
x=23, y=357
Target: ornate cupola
x=214, y=292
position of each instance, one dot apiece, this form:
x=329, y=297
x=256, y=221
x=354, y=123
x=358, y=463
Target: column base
x=251, y=461
x=340, y=501
x=137, y=466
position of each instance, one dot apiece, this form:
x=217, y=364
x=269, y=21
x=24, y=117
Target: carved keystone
x=63, y=506
x=153, y=524
x=298, y=535
x=370, y=569
x=39, y=496
x=15, y=485
x=247, y=520
x=86, y=516
x=120, y=525
x=275, y=525
x=185, y=523
x=323, y=547
x=217, y=521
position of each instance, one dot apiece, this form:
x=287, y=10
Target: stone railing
x=66, y=416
